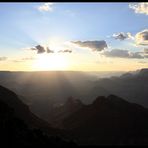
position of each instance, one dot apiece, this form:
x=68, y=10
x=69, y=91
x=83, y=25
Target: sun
x=50, y=62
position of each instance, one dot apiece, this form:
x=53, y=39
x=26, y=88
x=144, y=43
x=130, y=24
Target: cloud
x=3, y=58
x=33, y=48
x=142, y=62
x=40, y=49
x=136, y=55
x=122, y=36
x=118, y=53
x=146, y=56
x=27, y=58
x=17, y=61
x=94, y=45
x=23, y=59
x=66, y=50
x=46, y=7
x=49, y=51
x=142, y=37
x=146, y=50
x=140, y=7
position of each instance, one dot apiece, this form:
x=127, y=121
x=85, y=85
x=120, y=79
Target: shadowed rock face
x=20, y=109
x=144, y=71
x=59, y=113
x=19, y=127
x=109, y=120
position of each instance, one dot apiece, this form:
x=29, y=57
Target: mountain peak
x=72, y=101
x=99, y=100
x=115, y=98
x=126, y=75
x=111, y=99
x=143, y=71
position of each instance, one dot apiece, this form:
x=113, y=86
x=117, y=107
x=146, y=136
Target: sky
x=73, y=36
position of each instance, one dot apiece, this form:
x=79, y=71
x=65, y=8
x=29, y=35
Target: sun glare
x=50, y=62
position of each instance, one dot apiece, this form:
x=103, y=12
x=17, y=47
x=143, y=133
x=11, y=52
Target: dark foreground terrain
x=19, y=127
x=107, y=120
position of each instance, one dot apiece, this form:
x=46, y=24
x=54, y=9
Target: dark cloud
x=122, y=36
x=66, y=50
x=118, y=53
x=142, y=37
x=49, y=51
x=40, y=49
x=3, y=58
x=94, y=45
x=136, y=55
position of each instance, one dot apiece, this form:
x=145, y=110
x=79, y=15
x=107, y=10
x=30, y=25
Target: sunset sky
x=73, y=36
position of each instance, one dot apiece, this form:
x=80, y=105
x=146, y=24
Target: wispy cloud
x=119, y=53
x=28, y=58
x=3, y=58
x=17, y=61
x=23, y=59
x=46, y=7
x=140, y=7
x=65, y=50
x=142, y=62
x=49, y=50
